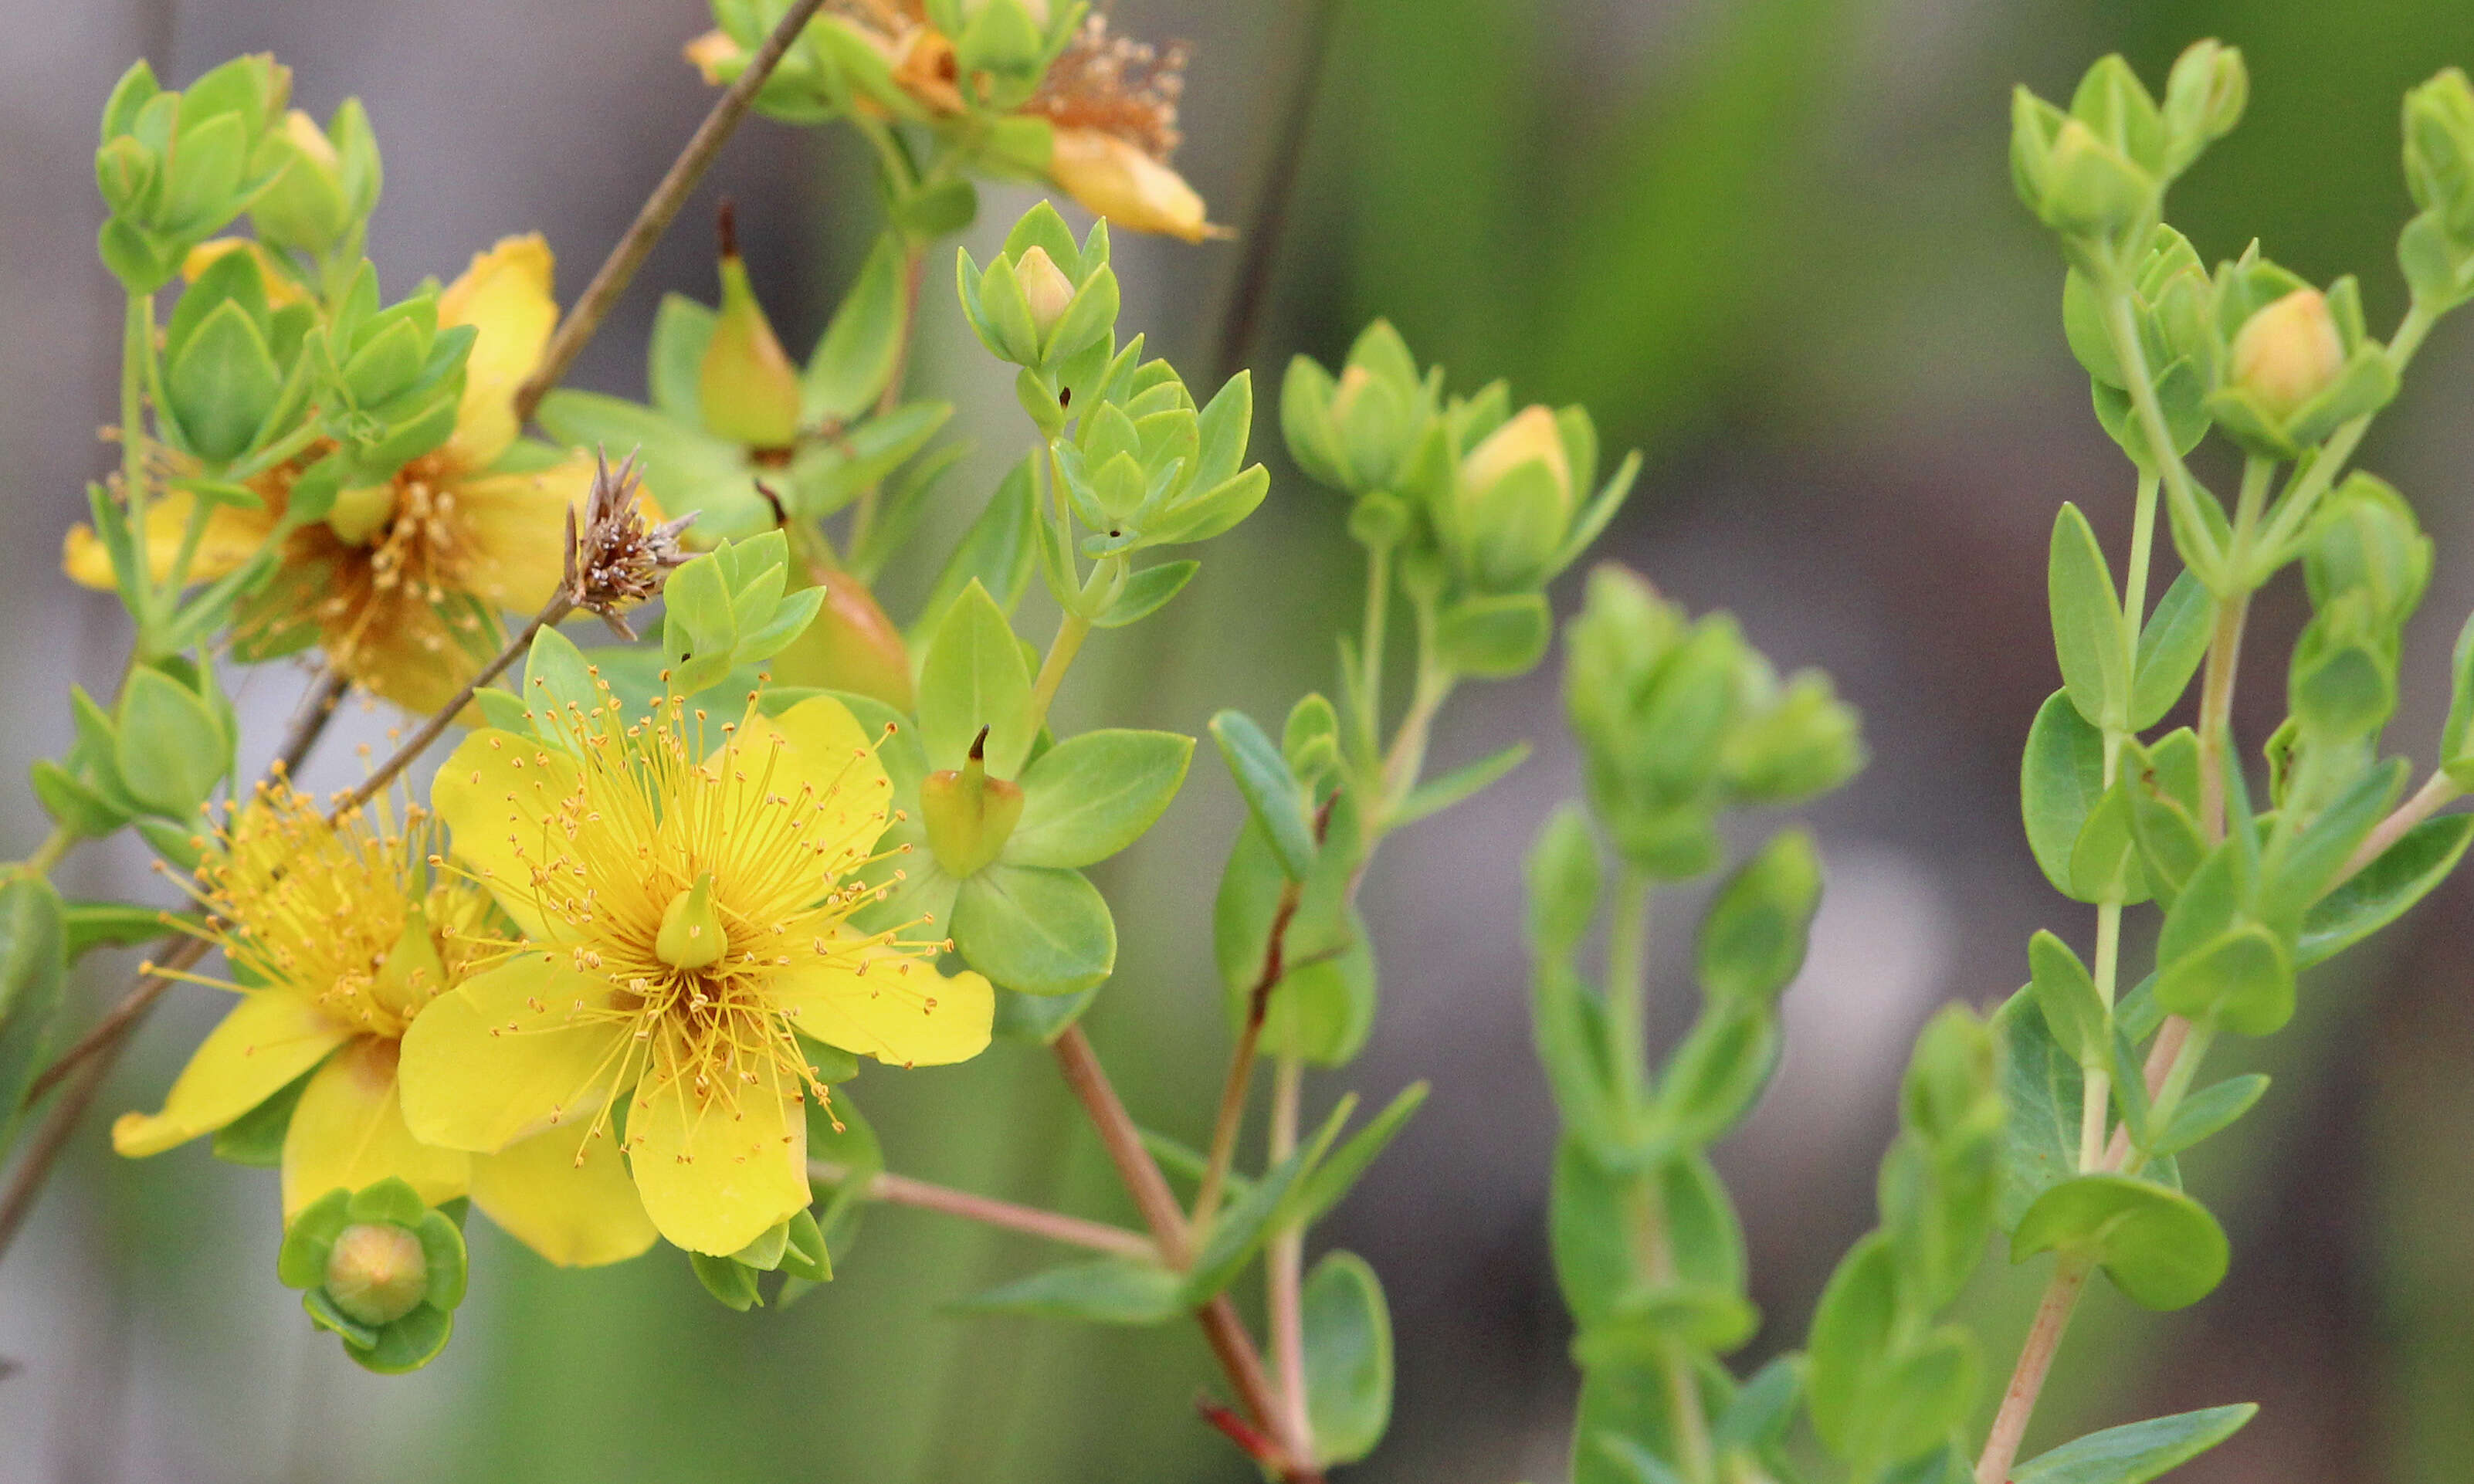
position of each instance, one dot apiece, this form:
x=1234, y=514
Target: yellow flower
x=1114, y=178
x=688, y=917
x=343, y=938
x=406, y=583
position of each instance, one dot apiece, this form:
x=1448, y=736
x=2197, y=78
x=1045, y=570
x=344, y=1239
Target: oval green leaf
x=2161, y=1248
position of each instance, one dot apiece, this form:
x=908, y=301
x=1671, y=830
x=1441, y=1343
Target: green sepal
x=731, y=1283
x=1033, y=928
x=257, y=1137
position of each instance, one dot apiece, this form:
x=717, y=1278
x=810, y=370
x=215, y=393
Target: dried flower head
x=614, y=559
x=1117, y=85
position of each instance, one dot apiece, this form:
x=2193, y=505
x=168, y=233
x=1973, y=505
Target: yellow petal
x=578, y=1215
x=1114, y=178
x=412, y=654
x=862, y=1001
x=233, y=535
x=349, y=1131
x=505, y=295
x=514, y=1050
x=516, y=526
x=269, y=1039
x=718, y=1166
x=500, y=795
x=823, y=749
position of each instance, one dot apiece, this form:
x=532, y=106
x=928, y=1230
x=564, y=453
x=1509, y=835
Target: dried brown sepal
x=615, y=559
x=1117, y=85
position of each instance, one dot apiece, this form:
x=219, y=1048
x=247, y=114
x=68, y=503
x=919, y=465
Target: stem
x=49, y=853
x=136, y=349
x=1055, y=1226
x=1369, y=655
x=2121, y=328
x=2216, y=710
x=1071, y=630
x=1627, y=1012
x=1654, y=1257
x=1241, y=1064
x=2035, y=1361
x=2437, y=791
x=2098, y=1090
x=44, y=1151
x=557, y=608
x=660, y=208
x=1227, y=1333
x=1284, y=1270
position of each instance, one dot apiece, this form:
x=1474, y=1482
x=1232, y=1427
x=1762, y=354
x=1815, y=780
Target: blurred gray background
x=1771, y=242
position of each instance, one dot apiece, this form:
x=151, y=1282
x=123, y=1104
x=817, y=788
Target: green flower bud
x=747, y=388
x=1948, y=1094
x=1804, y=743
x=2287, y=353
x=692, y=933
x=377, y=1272
x=1044, y=299
x=969, y=816
x=2204, y=98
x=1045, y=288
x=2091, y=190
x=2440, y=151
x=2365, y=539
x=1514, y=502
x=329, y=186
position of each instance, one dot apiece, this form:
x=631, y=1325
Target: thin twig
x=27, y=1182
x=2439, y=791
x=1241, y=1063
x=1230, y=1344
x=659, y=210
x=179, y=952
x=1055, y=1226
x=2035, y=1360
x=1262, y=235
x=557, y=608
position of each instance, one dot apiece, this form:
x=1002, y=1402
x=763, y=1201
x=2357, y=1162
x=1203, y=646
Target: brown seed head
x=615, y=560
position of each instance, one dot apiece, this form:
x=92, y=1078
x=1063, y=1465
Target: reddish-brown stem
x=2035, y=1362
x=987, y=1210
x=178, y=954
x=558, y=607
x=1241, y=1063
x=659, y=210
x=44, y=1152
x=1230, y=1344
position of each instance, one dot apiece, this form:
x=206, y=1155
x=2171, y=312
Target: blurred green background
x=1771, y=242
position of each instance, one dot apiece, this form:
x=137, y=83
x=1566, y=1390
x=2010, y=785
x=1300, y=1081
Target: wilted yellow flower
x=343, y=936
x=406, y=583
x=687, y=913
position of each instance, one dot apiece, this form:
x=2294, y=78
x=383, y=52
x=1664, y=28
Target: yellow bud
x=304, y=134
x=360, y=514
x=692, y=936
x=1115, y=180
x=377, y=1273
x=1045, y=285
x=748, y=389
x=1353, y=382
x=2288, y=353
x=1530, y=435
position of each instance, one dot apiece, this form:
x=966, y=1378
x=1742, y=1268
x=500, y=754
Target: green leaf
x=730, y=1282
x=1146, y=592
x=2161, y=1248
x=1273, y=794
x=2087, y=619
x=1040, y=1018
x=1323, y=1006
x=1109, y=1291
x=1330, y=1181
x=1719, y=1071
x=1035, y=929
x=853, y=360
x=2042, y=1085
x=222, y=383
x=2208, y=1110
x=115, y=925
x=681, y=329
x=257, y=1137
x=2243, y=978
x=1764, y=1408
x=1240, y=1231
x=171, y=751
x=2136, y=1453
x=1437, y=795
x=34, y=960
x=2105, y=860
x=1753, y=936
x=1090, y=796
x=558, y=679
x=2074, y=1013
x=2301, y=866
x=2060, y=782
x=1348, y=1358
x=1851, y=1337
x=1564, y=881
x=998, y=552
x=973, y=677
x=2379, y=893
x=2170, y=645
x=1494, y=637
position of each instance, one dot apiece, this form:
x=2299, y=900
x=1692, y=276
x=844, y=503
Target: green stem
x=136, y=351
x=2097, y=1089
x=2121, y=328
x=1627, y=971
x=1369, y=656
x=1071, y=630
x=1654, y=1255
x=47, y=855
x=1284, y=1274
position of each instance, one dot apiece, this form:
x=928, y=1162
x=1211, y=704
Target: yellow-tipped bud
x=2288, y=353
x=1353, y=382
x=692, y=936
x=852, y=645
x=1530, y=436
x=1045, y=286
x=377, y=1273
x=714, y=56
x=1116, y=180
x=748, y=388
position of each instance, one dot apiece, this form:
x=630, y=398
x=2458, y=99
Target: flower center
x=691, y=935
